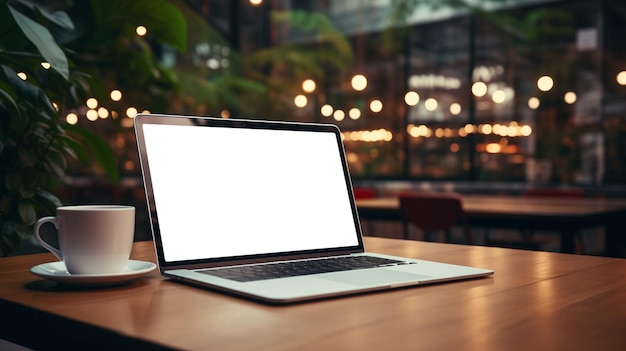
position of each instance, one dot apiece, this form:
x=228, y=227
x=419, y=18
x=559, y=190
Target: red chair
x=434, y=212
x=364, y=193
x=564, y=193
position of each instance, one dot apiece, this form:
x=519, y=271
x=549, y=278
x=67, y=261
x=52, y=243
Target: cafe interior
x=502, y=99
x=484, y=133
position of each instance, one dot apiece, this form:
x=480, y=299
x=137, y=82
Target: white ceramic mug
x=93, y=239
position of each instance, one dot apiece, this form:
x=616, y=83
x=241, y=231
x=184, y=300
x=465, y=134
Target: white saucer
x=56, y=271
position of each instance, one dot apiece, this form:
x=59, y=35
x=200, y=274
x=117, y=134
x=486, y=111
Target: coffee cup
x=92, y=239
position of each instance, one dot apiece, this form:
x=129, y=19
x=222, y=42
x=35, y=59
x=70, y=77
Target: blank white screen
x=222, y=192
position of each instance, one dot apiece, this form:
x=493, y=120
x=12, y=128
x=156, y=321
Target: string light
x=141, y=31
x=116, y=95
x=545, y=83
x=570, y=97
x=354, y=113
x=533, y=103
x=411, y=98
x=308, y=86
x=92, y=103
x=621, y=78
x=300, y=101
x=131, y=112
x=479, y=89
x=359, y=82
x=431, y=104
x=327, y=110
x=376, y=106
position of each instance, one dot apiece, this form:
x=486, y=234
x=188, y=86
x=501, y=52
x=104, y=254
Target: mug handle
x=38, y=224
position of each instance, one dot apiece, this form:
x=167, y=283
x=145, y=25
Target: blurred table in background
x=567, y=216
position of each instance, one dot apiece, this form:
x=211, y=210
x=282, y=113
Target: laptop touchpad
x=375, y=277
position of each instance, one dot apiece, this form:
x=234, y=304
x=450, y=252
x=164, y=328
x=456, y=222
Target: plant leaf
x=100, y=150
x=27, y=212
x=59, y=18
x=47, y=200
x=43, y=40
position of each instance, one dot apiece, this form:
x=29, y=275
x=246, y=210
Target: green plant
x=261, y=83
x=39, y=84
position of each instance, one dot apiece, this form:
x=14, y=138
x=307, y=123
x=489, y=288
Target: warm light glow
x=103, y=113
x=131, y=112
x=411, y=98
x=92, y=115
x=129, y=165
x=533, y=103
x=418, y=131
x=498, y=96
x=46, y=65
x=141, y=31
x=300, y=101
x=22, y=76
x=71, y=118
x=56, y=106
x=570, y=97
x=621, y=78
x=327, y=110
x=526, y=130
x=485, y=129
x=359, y=82
x=430, y=104
x=545, y=83
x=354, y=113
x=339, y=115
x=479, y=89
x=225, y=114
x=368, y=135
x=497, y=129
x=116, y=95
x=511, y=131
x=308, y=86
x=145, y=112
x=376, y=106
x=454, y=147
x=92, y=103
x=493, y=148
x=455, y=108
x=256, y=2
x=469, y=128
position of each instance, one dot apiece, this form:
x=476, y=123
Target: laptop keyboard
x=298, y=268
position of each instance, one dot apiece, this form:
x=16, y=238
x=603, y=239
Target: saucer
x=56, y=271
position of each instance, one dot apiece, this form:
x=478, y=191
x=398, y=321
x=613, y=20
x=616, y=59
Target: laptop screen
x=224, y=191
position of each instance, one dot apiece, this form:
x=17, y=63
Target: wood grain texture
x=535, y=300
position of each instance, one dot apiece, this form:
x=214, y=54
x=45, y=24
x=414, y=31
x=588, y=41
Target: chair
x=434, y=212
x=364, y=193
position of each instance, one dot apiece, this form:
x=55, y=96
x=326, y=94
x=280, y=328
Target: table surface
x=535, y=300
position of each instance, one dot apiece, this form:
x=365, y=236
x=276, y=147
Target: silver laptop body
x=243, y=193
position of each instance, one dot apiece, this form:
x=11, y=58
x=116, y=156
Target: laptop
x=263, y=210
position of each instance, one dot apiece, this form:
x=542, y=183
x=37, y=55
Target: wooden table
x=535, y=301
x=564, y=215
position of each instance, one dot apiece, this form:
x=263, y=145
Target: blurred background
x=467, y=96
